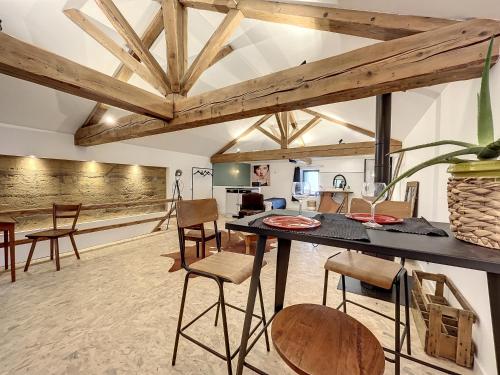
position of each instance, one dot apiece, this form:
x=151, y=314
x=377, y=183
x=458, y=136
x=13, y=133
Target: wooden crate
x=444, y=331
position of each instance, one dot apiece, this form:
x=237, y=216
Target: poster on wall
x=261, y=175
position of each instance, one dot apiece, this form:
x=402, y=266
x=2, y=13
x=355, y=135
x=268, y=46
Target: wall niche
x=31, y=182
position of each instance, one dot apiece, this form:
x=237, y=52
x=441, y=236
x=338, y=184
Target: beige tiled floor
x=115, y=312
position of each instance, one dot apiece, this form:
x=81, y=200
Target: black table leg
x=252, y=293
x=494, y=292
x=281, y=272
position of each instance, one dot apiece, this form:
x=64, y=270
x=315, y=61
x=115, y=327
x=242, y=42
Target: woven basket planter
x=474, y=202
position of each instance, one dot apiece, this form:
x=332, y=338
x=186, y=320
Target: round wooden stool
x=315, y=340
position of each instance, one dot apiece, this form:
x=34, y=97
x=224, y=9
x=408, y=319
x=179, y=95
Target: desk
x=8, y=226
x=442, y=250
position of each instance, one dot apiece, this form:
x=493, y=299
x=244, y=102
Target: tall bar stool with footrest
x=378, y=272
x=319, y=340
x=222, y=267
x=59, y=211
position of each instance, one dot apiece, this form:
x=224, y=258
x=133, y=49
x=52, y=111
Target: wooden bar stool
x=59, y=211
x=319, y=340
x=378, y=272
x=222, y=267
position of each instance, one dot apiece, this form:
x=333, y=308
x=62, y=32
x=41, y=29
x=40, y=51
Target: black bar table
x=442, y=250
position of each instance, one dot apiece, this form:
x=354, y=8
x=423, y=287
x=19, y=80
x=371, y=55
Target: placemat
x=414, y=225
x=332, y=226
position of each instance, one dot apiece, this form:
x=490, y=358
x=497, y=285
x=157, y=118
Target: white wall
x=453, y=116
x=282, y=175
x=20, y=141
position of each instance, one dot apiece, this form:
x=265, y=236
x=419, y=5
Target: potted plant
x=474, y=185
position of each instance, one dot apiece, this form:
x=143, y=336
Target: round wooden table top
x=316, y=340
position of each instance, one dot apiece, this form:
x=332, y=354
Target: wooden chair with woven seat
x=319, y=340
x=222, y=267
x=382, y=273
x=59, y=211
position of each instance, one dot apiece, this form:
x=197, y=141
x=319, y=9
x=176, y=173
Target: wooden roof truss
x=414, y=52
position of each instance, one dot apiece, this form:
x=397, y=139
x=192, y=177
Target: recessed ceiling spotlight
x=237, y=150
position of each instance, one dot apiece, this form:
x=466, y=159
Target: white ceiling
x=261, y=48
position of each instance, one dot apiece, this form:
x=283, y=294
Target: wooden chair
x=378, y=272
x=397, y=209
x=199, y=234
x=329, y=205
x=251, y=204
x=318, y=340
x=222, y=267
x=59, y=211
x=411, y=195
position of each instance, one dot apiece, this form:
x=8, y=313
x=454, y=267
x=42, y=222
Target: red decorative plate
x=379, y=219
x=291, y=222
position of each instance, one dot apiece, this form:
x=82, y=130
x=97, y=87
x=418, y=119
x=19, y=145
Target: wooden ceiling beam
x=128, y=34
x=224, y=51
x=211, y=49
x=233, y=142
x=448, y=54
x=374, y=25
x=283, y=128
x=345, y=124
x=344, y=149
x=170, y=14
x=91, y=28
x=293, y=120
x=25, y=61
x=123, y=73
x=269, y=135
x=311, y=124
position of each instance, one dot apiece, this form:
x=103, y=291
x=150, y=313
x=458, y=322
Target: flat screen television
x=231, y=174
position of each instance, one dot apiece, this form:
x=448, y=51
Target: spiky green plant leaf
x=484, y=115
x=448, y=158
x=434, y=144
x=491, y=151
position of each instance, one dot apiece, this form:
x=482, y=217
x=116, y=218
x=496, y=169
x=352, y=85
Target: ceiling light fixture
x=110, y=120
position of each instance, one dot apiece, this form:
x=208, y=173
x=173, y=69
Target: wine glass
x=370, y=191
x=301, y=191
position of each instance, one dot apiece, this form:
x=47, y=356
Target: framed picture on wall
x=261, y=175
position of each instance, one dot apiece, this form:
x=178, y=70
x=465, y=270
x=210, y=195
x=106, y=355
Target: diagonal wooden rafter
x=234, y=141
x=448, y=54
x=269, y=135
x=293, y=120
x=280, y=125
x=294, y=125
x=123, y=73
x=345, y=124
x=91, y=28
x=344, y=149
x=176, y=39
x=210, y=50
x=307, y=127
x=30, y=63
x=123, y=28
x=333, y=120
x=374, y=25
